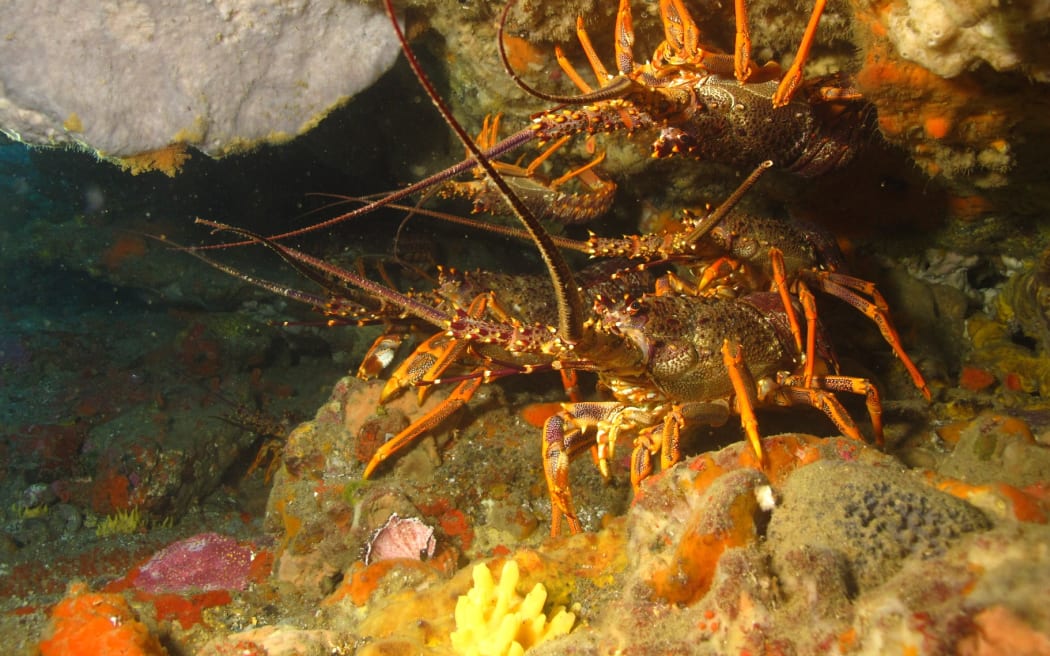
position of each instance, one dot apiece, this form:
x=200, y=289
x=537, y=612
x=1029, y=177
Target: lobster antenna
x=374, y=289
x=510, y=143
x=617, y=87
x=280, y=289
x=720, y=212
x=477, y=224
x=566, y=293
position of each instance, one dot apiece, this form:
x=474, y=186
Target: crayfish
x=710, y=105
x=704, y=104
x=669, y=354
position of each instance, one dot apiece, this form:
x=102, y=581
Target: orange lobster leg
x=563, y=440
x=680, y=31
x=809, y=307
x=456, y=400
x=624, y=41
x=776, y=257
x=592, y=56
x=818, y=395
x=745, y=389
x=822, y=400
x=742, y=68
x=846, y=288
x=415, y=366
x=431, y=358
x=792, y=78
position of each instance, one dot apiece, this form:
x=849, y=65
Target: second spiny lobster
x=702, y=104
x=709, y=105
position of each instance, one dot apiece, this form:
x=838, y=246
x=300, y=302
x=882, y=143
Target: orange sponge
x=86, y=623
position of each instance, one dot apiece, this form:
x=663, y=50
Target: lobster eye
x=634, y=307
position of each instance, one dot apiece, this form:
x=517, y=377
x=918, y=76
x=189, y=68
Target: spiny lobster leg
x=745, y=389
x=849, y=289
x=816, y=391
x=647, y=444
x=819, y=395
x=661, y=439
x=568, y=68
x=624, y=41
x=430, y=359
x=721, y=268
x=776, y=258
x=565, y=435
x=792, y=78
x=453, y=350
x=563, y=440
x=681, y=45
x=456, y=400
x=597, y=66
x=742, y=67
x=543, y=196
x=809, y=306
x=416, y=366
x=680, y=31
x=570, y=382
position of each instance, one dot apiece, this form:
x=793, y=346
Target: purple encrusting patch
x=208, y=561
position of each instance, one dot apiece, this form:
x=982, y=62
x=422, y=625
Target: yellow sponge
x=497, y=621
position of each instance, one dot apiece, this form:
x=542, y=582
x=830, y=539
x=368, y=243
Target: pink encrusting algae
x=208, y=561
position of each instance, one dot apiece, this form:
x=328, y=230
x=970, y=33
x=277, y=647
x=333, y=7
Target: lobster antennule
x=566, y=293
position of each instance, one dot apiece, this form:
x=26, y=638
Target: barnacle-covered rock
x=878, y=518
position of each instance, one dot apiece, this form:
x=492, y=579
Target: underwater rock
x=208, y=561
x=949, y=37
x=939, y=605
x=85, y=622
x=125, y=79
x=991, y=449
x=877, y=517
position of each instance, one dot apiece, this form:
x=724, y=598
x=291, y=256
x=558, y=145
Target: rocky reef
x=155, y=413
x=139, y=82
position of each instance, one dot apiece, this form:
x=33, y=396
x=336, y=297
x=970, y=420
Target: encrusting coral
x=497, y=621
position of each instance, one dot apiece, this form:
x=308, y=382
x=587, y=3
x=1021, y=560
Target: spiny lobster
x=690, y=95
x=731, y=253
x=686, y=93
x=667, y=357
